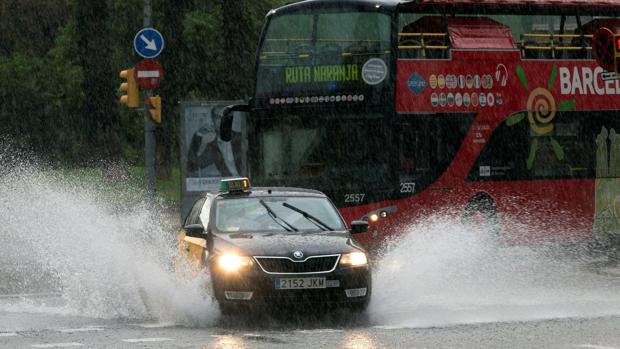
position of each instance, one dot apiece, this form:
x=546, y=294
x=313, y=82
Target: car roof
x=273, y=191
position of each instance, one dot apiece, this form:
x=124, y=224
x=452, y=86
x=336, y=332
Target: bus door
x=427, y=146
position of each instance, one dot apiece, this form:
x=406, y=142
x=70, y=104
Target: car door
x=190, y=250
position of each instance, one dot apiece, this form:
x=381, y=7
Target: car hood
x=284, y=244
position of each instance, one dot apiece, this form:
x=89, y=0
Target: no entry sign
x=148, y=74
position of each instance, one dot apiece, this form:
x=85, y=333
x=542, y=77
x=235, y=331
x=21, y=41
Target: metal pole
x=149, y=128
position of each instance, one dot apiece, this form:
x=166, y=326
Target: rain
x=410, y=174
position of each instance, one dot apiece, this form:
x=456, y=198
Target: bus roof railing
x=423, y=45
x=287, y=48
x=543, y=45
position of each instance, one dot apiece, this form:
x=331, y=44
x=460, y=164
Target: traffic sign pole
x=149, y=126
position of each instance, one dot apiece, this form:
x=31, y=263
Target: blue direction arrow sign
x=148, y=43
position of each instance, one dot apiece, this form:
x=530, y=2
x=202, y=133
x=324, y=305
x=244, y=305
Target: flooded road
x=82, y=267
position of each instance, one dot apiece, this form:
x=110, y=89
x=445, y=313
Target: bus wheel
x=480, y=213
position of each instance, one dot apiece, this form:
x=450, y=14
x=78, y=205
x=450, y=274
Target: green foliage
x=47, y=79
x=39, y=95
x=167, y=190
x=30, y=26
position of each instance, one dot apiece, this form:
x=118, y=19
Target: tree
x=30, y=27
x=173, y=87
x=238, y=51
x=99, y=106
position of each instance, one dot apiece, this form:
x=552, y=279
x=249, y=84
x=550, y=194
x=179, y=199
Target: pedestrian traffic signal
x=153, y=104
x=131, y=99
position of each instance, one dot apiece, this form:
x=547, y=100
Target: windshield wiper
x=308, y=216
x=287, y=227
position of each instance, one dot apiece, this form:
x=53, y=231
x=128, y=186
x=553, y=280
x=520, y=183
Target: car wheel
x=357, y=308
x=481, y=214
x=228, y=309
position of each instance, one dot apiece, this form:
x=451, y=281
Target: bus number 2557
x=407, y=187
x=354, y=198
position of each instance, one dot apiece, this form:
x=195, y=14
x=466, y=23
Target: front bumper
x=344, y=286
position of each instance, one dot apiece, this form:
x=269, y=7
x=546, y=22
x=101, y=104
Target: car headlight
x=232, y=262
x=353, y=259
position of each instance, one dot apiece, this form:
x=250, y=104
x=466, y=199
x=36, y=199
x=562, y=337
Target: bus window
x=413, y=150
x=427, y=145
x=503, y=156
x=580, y=145
x=425, y=37
x=550, y=36
x=537, y=36
x=359, y=31
x=313, y=50
x=343, y=155
x=286, y=35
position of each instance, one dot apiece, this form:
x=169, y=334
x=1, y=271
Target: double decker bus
x=494, y=111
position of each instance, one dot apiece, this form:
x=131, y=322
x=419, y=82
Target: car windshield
x=251, y=214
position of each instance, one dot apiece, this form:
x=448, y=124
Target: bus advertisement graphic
x=541, y=111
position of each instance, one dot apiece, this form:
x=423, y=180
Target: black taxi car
x=267, y=246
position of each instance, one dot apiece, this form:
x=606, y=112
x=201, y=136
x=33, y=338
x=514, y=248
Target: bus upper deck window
x=425, y=37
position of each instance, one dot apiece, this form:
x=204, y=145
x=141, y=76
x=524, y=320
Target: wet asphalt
x=29, y=330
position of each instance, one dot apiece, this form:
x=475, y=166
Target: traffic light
x=131, y=99
x=154, y=107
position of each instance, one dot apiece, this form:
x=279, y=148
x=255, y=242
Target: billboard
x=205, y=158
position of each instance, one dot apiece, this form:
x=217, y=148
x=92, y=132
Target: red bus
x=489, y=110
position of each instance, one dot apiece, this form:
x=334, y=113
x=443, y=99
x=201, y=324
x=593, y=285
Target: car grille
x=285, y=265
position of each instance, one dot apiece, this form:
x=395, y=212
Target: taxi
x=267, y=246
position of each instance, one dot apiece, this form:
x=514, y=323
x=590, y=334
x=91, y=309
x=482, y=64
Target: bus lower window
x=427, y=145
x=345, y=153
x=581, y=145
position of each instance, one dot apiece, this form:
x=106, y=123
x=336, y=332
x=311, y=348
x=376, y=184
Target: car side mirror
x=195, y=231
x=359, y=227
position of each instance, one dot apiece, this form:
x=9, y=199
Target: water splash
x=442, y=273
x=107, y=258
x=110, y=258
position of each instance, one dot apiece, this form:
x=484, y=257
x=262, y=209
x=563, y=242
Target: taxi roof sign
x=234, y=184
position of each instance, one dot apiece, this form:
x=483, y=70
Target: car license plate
x=299, y=283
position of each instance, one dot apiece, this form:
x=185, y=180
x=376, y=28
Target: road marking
x=8, y=334
x=29, y=295
x=592, y=346
x=57, y=345
x=325, y=330
x=84, y=329
x=155, y=325
x=140, y=340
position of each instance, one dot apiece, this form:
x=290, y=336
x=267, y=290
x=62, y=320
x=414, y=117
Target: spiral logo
x=541, y=110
